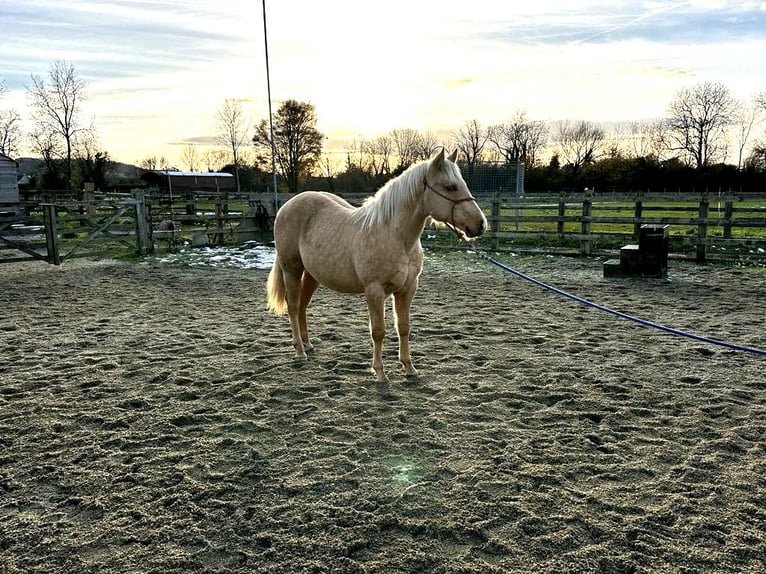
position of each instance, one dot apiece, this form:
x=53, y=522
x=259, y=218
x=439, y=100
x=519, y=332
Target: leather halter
x=427, y=185
x=451, y=224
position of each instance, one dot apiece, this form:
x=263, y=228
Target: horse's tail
x=275, y=286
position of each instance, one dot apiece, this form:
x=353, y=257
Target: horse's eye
x=451, y=187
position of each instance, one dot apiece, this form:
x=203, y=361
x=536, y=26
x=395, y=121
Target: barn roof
x=176, y=173
x=190, y=180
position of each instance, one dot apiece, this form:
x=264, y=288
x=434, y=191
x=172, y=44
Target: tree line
x=686, y=150
x=701, y=142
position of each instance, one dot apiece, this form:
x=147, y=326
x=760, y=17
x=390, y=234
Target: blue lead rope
x=644, y=322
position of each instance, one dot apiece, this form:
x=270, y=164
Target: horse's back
x=317, y=231
x=309, y=211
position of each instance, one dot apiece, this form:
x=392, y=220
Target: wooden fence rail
x=723, y=221
x=584, y=223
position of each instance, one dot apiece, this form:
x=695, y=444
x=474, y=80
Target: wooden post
x=51, y=233
x=562, y=214
x=702, y=227
x=587, y=208
x=218, y=238
x=728, y=213
x=495, y=221
x=637, y=213
x=144, y=242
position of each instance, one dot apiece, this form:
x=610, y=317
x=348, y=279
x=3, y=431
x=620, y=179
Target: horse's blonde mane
x=404, y=188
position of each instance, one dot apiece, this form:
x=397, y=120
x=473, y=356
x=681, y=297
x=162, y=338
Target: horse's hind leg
x=402, y=303
x=308, y=287
x=292, y=279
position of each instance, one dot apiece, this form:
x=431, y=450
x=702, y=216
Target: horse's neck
x=412, y=218
x=398, y=208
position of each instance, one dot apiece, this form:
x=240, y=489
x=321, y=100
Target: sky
x=157, y=71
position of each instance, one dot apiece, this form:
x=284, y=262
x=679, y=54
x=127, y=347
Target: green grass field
x=540, y=218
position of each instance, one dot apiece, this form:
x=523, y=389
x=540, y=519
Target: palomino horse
x=373, y=249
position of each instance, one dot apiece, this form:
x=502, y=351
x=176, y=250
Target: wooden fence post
x=728, y=213
x=218, y=237
x=702, y=227
x=51, y=233
x=144, y=243
x=587, y=208
x=495, y=221
x=562, y=214
x=637, y=213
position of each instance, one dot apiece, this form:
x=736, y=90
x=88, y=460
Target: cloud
x=670, y=23
x=157, y=70
x=108, y=40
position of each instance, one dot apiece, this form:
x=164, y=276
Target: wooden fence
x=701, y=226
x=728, y=222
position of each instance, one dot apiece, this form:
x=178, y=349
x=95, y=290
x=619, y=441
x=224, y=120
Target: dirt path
x=152, y=420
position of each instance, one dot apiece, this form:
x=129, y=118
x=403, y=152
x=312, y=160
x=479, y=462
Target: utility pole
x=271, y=121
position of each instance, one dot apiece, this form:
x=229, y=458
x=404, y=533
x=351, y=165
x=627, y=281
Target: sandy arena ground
x=152, y=420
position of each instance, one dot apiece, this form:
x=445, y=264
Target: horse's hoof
x=410, y=371
x=300, y=358
x=309, y=348
x=380, y=377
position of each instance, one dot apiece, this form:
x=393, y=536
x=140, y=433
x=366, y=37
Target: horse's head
x=447, y=198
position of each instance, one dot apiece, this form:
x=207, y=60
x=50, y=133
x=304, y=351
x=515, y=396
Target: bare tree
x=10, y=132
x=215, y=159
x=48, y=147
x=579, y=143
x=149, y=163
x=427, y=144
x=233, y=130
x=297, y=142
x=757, y=157
x=644, y=138
x=93, y=163
x=378, y=152
x=698, y=118
x=10, y=128
x=330, y=169
x=56, y=107
x=746, y=117
x=613, y=144
x=519, y=139
x=470, y=140
x=356, y=155
x=190, y=157
x=407, y=144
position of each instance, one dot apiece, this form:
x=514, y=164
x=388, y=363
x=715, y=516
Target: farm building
x=9, y=186
x=182, y=182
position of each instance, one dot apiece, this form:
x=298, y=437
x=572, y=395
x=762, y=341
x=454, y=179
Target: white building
x=9, y=185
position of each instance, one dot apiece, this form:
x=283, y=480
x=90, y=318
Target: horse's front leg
x=402, y=302
x=376, y=300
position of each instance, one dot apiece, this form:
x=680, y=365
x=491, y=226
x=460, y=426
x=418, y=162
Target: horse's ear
x=453, y=156
x=438, y=158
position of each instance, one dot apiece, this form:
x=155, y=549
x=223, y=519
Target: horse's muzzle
x=476, y=232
